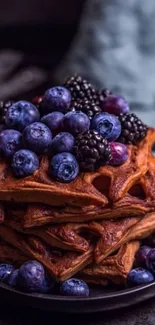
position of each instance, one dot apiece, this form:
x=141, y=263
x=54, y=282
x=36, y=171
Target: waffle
x=60, y=264
x=107, y=184
x=10, y=254
x=107, y=235
x=91, y=227
x=114, y=268
x=116, y=233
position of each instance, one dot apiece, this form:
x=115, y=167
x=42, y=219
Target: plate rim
x=55, y=297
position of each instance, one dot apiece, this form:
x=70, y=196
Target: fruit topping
x=12, y=279
x=63, y=142
x=107, y=125
x=133, y=129
x=141, y=256
x=119, y=153
x=10, y=142
x=37, y=137
x=90, y=108
x=3, y=109
x=5, y=271
x=91, y=150
x=76, y=122
x=81, y=89
x=31, y=276
x=64, y=167
x=53, y=121
x=56, y=99
x=150, y=261
x=102, y=94
x=74, y=287
x=20, y=115
x=115, y=104
x=24, y=163
x=139, y=276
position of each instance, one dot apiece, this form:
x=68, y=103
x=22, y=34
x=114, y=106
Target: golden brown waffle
x=107, y=184
x=38, y=214
x=118, y=232
x=60, y=264
x=75, y=237
x=10, y=254
x=107, y=235
x=114, y=268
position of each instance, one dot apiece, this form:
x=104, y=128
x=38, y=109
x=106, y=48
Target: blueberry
x=53, y=121
x=63, y=142
x=119, y=153
x=21, y=114
x=31, y=276
x=139, y=276
x=74, y=287
x=115, y=104
x=5, y=271
x=24, y=163
x=13, y=278
x=64, y=167
x=76, y=122
x=150, y=261
x=56, y=99
x=10, y=142
x=47, y=285
x=141, y=255
x=107, y=125
x=37, y=137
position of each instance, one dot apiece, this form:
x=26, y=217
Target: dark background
x=42, y=32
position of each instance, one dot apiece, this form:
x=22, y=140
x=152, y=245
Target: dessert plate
x=101, y=299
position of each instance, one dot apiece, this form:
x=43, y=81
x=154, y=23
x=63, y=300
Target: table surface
x=143, y=314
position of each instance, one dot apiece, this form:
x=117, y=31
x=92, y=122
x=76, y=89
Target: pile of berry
x=78, y=127
x=32, y=277
x=144, y=271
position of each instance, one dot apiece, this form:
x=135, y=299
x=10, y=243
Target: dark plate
x=100, y=299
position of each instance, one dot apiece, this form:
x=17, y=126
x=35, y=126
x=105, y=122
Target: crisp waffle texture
x=91, y=227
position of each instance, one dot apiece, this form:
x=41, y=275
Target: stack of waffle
x=91, y=227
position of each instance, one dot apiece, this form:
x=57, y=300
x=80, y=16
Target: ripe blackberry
x=133, y=129
x=81, y=88
x=102, y=94
x=91, y=150
x=3, y=109
x=87, y=107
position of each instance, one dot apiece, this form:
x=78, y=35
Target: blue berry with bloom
x=57, y=98
x=21, y=114
x=64, y=167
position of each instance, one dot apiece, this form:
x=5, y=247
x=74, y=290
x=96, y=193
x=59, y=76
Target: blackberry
x=133, y=129
x=102, y=94
x=91, y=150
x=4, y=105
x=87, y=107
x=81, y=88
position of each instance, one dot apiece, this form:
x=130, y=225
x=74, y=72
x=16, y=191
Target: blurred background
x=110, y=42
x=35, y=35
